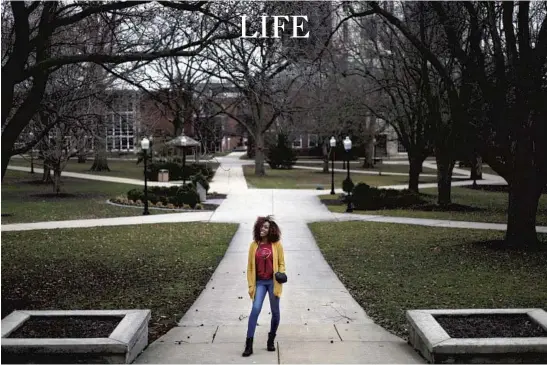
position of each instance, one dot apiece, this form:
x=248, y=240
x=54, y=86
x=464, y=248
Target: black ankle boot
x=271, y=338
x=248, y=347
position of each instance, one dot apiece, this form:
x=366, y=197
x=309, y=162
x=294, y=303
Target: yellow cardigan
x=278, y=265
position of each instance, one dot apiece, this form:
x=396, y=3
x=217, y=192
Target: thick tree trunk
x=476, y=167
x=57, y=179
x=325, y=157
x=414, y=173
x=445, y=165
x=46, y=175
x=5, y=162
x=259, y=155
x=524, y=194
x=369, y=152
x=100, y=163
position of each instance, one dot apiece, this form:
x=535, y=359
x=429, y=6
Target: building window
x=313, y=140
x=297, y=143
x=400, y=147
x=120, y=132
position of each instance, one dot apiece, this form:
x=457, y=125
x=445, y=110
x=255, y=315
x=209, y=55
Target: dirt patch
x=67, y=327
x=490, y=325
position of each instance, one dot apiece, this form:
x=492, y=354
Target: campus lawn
x=26, y=199
x=378, y=168
x=161, y=267
x=310, y=179
x=118, y=168
x=391, y=268
x=474, y=205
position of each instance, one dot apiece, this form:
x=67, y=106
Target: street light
x=332, y=146
x=31, y=135
x=183, y=143
x=145, y=145
x=347, y=147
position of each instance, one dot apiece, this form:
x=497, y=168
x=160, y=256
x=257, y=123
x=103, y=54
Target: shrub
x=199, y=177
x=175, y=195
x=348, y=185
x=135, y=194
x=365, y=197
x=281, y=156
x=199, y=207
x=176, y=172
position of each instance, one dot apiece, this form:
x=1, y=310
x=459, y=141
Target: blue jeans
x=263, y=286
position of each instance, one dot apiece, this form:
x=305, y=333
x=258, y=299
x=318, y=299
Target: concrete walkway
x=320, y=321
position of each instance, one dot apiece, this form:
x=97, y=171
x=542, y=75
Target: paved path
x=320, y=321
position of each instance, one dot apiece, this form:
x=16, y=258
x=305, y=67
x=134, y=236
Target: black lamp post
x=183, y=141
x=347, y=147
x=145, y=145
x=31, y=135
x=332, y=146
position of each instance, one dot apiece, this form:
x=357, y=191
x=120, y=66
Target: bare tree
x=501, y=98
x=32, y=49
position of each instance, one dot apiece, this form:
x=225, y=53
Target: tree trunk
x=524, y=194
x=369, y=152
x=57, y=179
x=100, y=163
x=326, y=157
x=46, y=175
x=445, y=165
x=414, y=173
x=259, y=155
x=250, y=147
x=476, y=167
x=82, y=159
x=5, y=162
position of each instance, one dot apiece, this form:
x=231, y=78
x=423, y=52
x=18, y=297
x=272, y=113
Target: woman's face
x=265, y=229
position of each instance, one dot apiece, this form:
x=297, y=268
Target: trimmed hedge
x=176, y=195
x=176, y=172
x=281, y=155
x=365, y=197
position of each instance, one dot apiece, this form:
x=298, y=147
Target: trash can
x=163, y=176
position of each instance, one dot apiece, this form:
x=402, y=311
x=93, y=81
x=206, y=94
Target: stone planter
x=430, y=339
x=123, y=345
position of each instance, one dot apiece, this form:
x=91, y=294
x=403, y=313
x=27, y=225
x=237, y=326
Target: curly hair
x=273, y=234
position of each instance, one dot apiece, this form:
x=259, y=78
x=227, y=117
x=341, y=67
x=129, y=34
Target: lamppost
x=31, y=135
x=145, y=145
x=183, y=142
x=151, y=139
x=332, y=146
x=347, y=147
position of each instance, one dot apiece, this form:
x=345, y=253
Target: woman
x=266, y=257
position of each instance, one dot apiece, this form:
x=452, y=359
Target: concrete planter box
x=123, y=345
x=431, y=340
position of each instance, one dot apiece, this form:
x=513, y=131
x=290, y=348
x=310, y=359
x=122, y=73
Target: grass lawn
x=359, y=167
x=485, y=206
x=391, y=268
x=310, y=179
x=118, y=168
x=23, y=199
x=161, y=267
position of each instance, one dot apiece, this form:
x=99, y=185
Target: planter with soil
x=76, y=336
x=502, y=336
